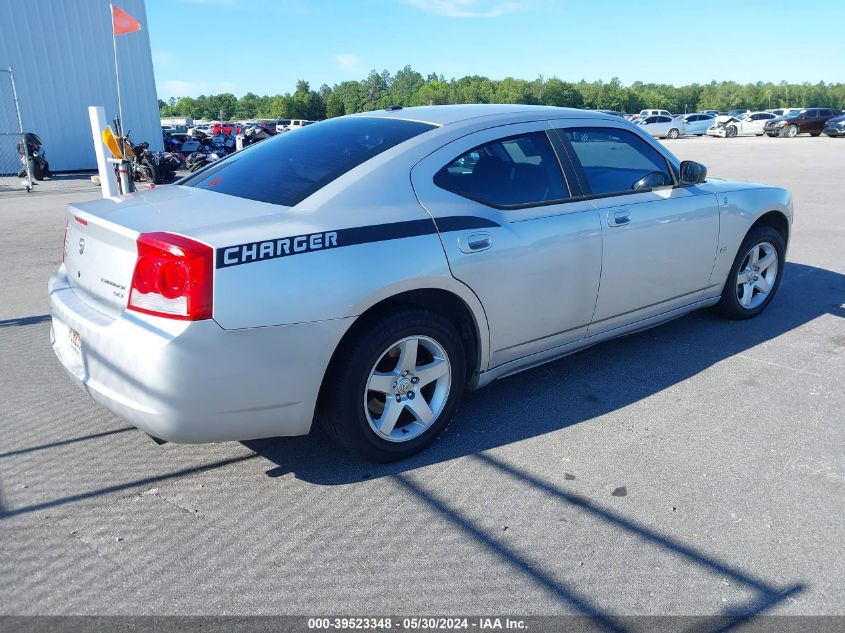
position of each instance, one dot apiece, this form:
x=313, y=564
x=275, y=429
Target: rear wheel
x=755, y=275
x=791, y=131
x=815, y=133
x=396, y=388
x=673, y=133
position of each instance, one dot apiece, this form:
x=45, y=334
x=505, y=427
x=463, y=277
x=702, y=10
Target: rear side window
x=613, y=161
x=290, y=167
x=509, y=172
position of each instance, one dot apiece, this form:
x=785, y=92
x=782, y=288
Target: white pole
x=20, y=127
x=122, y=131
x=108, y=181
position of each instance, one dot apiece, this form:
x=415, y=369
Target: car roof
x=449, y=114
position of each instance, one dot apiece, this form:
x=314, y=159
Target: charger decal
x=299, y=244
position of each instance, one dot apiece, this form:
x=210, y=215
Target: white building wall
x=63, y=61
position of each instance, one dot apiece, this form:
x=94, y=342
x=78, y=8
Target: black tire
x=37, y=172
x=341, y=409
x=791, y=131
x=729, y=305
x=814, y=134
x=771, y=134
x=730, y=132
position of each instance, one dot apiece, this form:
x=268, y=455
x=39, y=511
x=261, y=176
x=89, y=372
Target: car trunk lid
x=101, y=241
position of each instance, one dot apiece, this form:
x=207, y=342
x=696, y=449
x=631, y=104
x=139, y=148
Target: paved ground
x=697, y=468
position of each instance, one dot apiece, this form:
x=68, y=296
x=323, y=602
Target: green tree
x=334, y=105
x=408, y=87
x=247, y=106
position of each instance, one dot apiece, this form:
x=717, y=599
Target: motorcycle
x=155, y=167
x=30, y=150
x=256, y=133
x=199, y=160
x=171, y=144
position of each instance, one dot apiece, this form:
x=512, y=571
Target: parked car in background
x=697, y=124
x=805, y=121
x=613, y=112
x=738, y=112
x=371, y=268
x=720, y=124
x=750, y=124
x=782, y=111
x=713, y=112
x=287, y=125
x=835, y=126
x=662, y=126
x=648, y=113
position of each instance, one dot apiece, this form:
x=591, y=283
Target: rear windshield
x=290, y=167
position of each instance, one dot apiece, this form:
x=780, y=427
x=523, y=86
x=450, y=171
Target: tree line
x=408, y=87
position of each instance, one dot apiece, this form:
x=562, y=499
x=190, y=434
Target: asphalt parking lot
x=697, y=468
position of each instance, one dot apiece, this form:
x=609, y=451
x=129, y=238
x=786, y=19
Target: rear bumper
x=194, y=382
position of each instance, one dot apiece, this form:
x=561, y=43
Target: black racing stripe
x=288, y=246
x=464, y=223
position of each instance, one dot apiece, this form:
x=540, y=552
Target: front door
x=660, y=240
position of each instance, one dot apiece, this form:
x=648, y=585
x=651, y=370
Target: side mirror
x=692, y=173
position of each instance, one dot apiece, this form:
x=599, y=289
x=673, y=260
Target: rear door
x=526, y=244
x=659, y=239
x=811, y=123
x=758, y=121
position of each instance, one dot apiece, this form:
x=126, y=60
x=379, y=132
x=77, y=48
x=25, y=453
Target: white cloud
x=469, y=8
x=347, y=61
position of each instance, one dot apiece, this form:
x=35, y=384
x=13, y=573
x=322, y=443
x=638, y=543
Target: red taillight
x=173, y=277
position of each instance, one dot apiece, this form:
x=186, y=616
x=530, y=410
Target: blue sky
x=264, y=46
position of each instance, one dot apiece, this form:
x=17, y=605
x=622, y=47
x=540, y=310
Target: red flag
x=122, y=22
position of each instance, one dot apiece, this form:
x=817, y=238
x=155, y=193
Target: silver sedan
x=662, y=126
x=367, y=270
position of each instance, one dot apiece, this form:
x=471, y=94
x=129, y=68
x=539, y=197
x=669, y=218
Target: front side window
x=290, y=167
x=509, y=172
x=616, y=161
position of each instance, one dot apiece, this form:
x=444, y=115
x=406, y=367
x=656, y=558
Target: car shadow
x=566, y=392
x=496, y=416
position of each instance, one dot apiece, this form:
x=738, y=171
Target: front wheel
x=396, y=387
x=731, y=131
x=673, y=133
x=755, y=275
x=791, y=131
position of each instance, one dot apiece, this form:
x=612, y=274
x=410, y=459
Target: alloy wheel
x=757, y=274
x=407, y=388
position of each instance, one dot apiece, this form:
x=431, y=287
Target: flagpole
x=120, y=132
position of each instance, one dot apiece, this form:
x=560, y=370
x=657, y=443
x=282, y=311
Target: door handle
x=619, y=217
x=475, y=242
